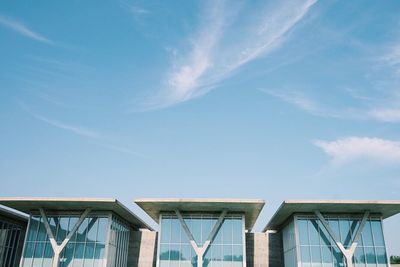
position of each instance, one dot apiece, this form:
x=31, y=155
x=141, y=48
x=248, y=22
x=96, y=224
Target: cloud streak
x=23, y=30
x=213, y=56
x=349, y=149
x=100, y=138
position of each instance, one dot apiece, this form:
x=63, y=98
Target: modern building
x=77, y=232
x=12, y=234
x=193, y=233
x=331, y=233
x=198, y=232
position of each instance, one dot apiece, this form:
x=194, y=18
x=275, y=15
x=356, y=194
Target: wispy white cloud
x=350, y=149
x=386, y=115
x=23, y=30
x=313, y=107
x=214, y=55
x=299, y=100
x=393, y=55
x=100, y=138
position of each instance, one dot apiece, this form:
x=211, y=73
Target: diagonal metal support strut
x=200, y=251
x=57, y=249
x=347, y=253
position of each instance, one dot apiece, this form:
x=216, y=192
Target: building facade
x=12, y=234
x=192, y=233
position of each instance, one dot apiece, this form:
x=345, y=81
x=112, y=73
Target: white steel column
x=200, y=251
x=57, y=249
x=347, y=253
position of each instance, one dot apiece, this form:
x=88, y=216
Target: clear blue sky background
x=274, y=100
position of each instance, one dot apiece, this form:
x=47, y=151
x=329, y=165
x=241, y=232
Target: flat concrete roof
x=386, y=208
x=13, y=215
x=251, y=208
x=28, y=204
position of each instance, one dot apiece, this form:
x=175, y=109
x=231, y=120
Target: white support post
x=57, y=249
x=347, y=253
x=200, y=251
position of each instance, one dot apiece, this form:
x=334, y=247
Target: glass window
x=367, y=235
x=302, y=226
x=225, y=249
x=381, y=256
x=313, y=232
x=86, y=245
x=305, y=256
x=345, y=233
x=370, y=256
x=377, y=233
x=316, y=257
x=370, y=249
x=237, y=231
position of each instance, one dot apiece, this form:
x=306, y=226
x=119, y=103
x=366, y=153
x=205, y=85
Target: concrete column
x=58, y=248
x=202, y=249
x=347, y=253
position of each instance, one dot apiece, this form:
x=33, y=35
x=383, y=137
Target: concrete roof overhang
x=28, y=204
x=385, y=208
x=13, y=215
x=251, y=208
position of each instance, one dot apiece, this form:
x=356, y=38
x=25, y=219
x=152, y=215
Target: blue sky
x=265, y=99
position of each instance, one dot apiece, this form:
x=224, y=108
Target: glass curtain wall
x=10, y=235
x=118, y=244
x=226, y=250
x=317, y=249
x=289, y=245
x=86, y=248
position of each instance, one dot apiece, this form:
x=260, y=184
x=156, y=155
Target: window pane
x=337, y=257
x=164, y=252
x=175, y=231
x=227, y=256
x=305, y=256
x=62, y=230
x=377, y=232
x=354, y=224
x=102, y=230
x=325, y=237
x=381, y=256
x=367, y=234
x=206, y=229
x=227, y=231
x=196, y=230
x=237, y=231
x=92, y=230
x=370, y=256
x=41, y=236
x=72, y=222
x=69, y=254
x=316, y=256
x=345, y=234
x=29, y=248
x=237, y=253
x=165, y=230
x=303, y=232
x=33, y=227
x=326, y=254
x=313, y=231
x=99, y=251
x=334, y=224
x=359, y=257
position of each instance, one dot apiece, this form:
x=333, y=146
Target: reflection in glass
x=317, y=248
x=225, y=250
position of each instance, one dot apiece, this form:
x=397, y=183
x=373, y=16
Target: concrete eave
x=29, y=204
x=251, y=208
x=13, y=215
x=385, y=208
